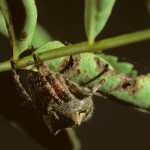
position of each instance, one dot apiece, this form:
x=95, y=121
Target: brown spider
x=58, y=100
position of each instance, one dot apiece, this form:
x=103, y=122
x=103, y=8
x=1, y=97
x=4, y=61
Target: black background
x=113, y=126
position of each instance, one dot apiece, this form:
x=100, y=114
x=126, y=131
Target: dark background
x=113, y=126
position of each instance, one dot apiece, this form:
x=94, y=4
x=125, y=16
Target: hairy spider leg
x=60, y=85
x=43, y=71
x=73, y=69
x=18, y=83
x=77, y=91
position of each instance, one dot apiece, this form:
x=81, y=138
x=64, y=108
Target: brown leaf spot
x=23, y=36
x=130, y=85
x=99, y=64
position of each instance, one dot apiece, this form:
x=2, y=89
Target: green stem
x=80, y=48
x=73, y=139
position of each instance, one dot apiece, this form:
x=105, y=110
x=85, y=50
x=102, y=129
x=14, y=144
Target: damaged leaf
x=119, y=67
x=133, y=91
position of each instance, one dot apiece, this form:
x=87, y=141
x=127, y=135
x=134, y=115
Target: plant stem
x=73, y=139
x=80, y=48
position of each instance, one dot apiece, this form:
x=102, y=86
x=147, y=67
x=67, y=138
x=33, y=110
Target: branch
x=80, y=48
x=129, y=90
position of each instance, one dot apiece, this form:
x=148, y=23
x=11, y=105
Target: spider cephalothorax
x=58, y=100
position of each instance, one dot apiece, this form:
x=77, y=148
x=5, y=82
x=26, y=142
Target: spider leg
x=19, y=85
x=77, y=91
x=60, y=86
x=43, y=71
x=98, y=86
x=80, y=93
x=74, y=67
x=32, y=87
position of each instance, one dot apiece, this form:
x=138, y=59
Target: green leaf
x=54, y=63
x=20, y=17
x=3, y=29
x=119, y=67
x=40, y=36
x=96, y=15
x=133, y=91
x=49, y=46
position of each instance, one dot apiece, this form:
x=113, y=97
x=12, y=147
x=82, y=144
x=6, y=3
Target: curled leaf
x=20, y=17
x=40, y=36
x=96, y=15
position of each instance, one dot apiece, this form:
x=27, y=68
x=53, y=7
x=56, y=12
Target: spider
x=59, y=101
